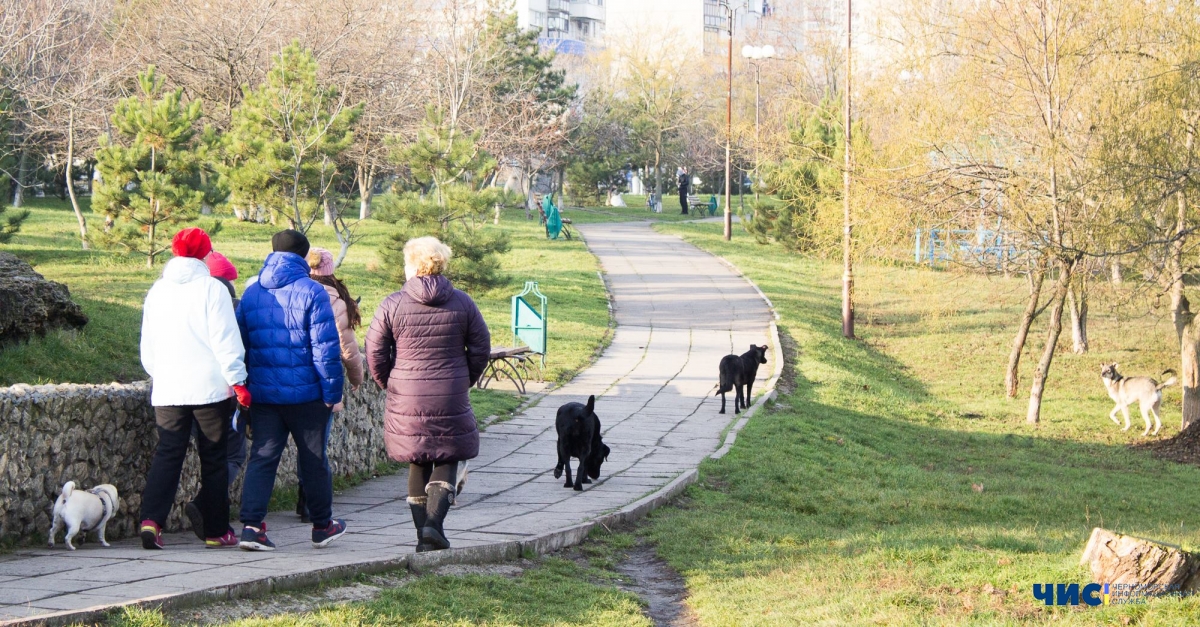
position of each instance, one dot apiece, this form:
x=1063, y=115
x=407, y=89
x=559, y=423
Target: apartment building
x=572, y=25
x=568, y=26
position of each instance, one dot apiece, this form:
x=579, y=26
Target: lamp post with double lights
x=756, y=54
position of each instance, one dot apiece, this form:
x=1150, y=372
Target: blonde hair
x=424, y=256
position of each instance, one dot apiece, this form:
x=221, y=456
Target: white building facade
x=566, y=25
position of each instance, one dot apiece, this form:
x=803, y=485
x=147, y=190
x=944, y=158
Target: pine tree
x=284, y=138
x=153, y=171
x=444, y=163
x=804, y=188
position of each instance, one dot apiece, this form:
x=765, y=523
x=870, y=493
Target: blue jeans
x=308, y=424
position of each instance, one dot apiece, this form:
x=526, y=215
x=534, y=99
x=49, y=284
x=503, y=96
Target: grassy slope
x=851, y=502
x=111, y=289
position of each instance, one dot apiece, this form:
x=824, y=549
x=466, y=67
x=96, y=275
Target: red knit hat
x=191, y=242
x=220, y=267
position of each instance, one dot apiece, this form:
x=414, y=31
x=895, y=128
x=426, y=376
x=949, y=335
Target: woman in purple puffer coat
x=427, y=346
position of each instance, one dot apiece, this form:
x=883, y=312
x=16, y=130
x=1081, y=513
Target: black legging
x=420, y=475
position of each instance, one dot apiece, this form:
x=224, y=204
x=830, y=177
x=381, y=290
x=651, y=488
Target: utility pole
x=847, y=262
x=729, y=127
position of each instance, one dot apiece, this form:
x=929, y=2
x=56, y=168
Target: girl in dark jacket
x=427, y=346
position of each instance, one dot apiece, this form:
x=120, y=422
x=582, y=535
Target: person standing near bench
x=685, y=186
x=427, y=346
x=295, y=374
x=193, y=352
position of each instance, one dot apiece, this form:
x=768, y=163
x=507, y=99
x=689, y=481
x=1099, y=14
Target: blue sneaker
x=334, y=530
x=255, y=539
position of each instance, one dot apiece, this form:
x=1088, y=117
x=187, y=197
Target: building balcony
x=587, y=10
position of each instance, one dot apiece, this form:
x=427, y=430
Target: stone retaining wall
x=93, y=434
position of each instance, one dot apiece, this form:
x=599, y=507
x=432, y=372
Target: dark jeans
x=419, y=476
x=683, y=200
x=174, y=431
x=235, y=446
x=307, y=423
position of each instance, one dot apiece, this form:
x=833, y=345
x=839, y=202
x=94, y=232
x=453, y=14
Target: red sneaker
x=151, y=535
x=228, y=540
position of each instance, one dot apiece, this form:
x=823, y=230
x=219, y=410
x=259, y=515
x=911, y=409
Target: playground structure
x=982, y=247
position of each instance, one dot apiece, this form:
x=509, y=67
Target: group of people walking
x=275, y=363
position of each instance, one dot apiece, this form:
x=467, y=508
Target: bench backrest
x=529, y=319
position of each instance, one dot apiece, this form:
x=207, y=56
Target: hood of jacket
x=281, y=269
x=432, y=290
x=184, y=270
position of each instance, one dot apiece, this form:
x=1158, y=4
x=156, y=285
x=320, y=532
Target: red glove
x=243, y=395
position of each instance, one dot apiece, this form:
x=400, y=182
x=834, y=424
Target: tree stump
x=1121, y=559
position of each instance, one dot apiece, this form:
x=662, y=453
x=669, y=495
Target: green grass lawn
x=896, y=485
x=111, y=288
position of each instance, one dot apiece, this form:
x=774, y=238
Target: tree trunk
x=657, y=174
x=70, y=174
x=1181, y=311
x=1054, y=330
x=1189, y=353
x=527, y=187
x=22, y=177
x=1037, y=276
x=1115, y=270
x=1077, y=300
x=366, y=185
x=150, y=236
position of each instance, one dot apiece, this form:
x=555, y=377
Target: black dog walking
x=737, y=371
x=579, y=436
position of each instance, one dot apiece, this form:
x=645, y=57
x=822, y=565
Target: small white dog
x=1144, y=391
x=83, y=510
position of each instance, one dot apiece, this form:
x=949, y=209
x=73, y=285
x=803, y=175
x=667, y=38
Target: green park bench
x=528, y=328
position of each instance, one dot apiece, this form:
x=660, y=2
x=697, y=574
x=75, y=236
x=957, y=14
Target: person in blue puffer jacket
x=294, y=365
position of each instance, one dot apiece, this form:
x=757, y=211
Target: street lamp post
x=730, y=12
x=757, y=53
x=847, y=225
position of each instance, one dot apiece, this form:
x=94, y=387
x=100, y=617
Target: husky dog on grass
x=1144, y=391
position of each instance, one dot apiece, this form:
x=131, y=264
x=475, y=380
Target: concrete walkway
x=676, y=308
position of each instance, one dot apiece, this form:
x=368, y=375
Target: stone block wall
x=93, y=434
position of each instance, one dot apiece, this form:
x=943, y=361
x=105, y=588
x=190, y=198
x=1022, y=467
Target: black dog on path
x=737, y=371
x=579, y=436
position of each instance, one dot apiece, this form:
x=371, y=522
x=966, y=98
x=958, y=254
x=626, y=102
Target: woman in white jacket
x=192, y=350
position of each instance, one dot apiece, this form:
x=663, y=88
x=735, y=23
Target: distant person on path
x=221, y=269
x=685, y=186
x=345, y=312
x=193, y=352
x=427, y=346
x=296, y=376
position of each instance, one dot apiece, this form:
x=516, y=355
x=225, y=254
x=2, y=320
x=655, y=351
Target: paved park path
x=678, y=311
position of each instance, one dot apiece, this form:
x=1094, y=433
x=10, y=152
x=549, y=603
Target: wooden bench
x=511, y=363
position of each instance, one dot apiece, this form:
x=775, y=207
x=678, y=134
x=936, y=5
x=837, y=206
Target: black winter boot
x=417, y=505
x=441, y=496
